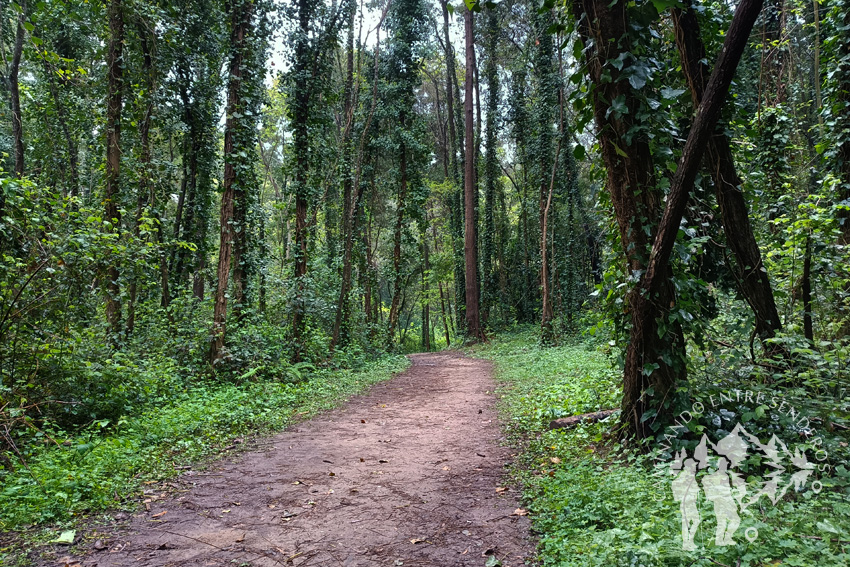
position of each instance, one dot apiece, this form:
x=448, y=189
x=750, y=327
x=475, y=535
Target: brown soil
x=404, y=475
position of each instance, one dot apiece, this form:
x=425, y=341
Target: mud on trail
x=406, y=474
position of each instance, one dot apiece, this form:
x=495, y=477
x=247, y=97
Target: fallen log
x=570, y=422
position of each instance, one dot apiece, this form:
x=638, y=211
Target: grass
x=105, y=466
x=594, y=502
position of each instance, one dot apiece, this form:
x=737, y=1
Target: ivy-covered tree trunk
x=473, y=323
x=650, y=372
x=301, y=149
x=397, y=230
x=751, y=274
x=145, y=189
x=115, y=86
x=491, y=168
x=241, y=14
x=455, y=197
x=657, y=360
x=426, y=292
x=14, y=90
x=841, y=127
x=342, y=321
x=544, y=67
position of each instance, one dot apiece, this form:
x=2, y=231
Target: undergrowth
x=104, y=465
x=595, y=502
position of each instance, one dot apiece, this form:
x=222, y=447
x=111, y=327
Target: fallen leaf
x=241, y=539
x=416, y=540
x=555, y=460
x=99, y=545
x=297, y=482
x=66, y=537
x=69, y=562
x=447, y=468
x=520, y=512
x=226, y=511
x=272, y=506
x=500, y=489
x=163, y=513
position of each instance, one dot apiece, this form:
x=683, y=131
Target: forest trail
x=405, y=474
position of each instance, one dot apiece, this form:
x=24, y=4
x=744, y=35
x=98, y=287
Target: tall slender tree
x=470, y=191
x=115, y=90
x=241, y=15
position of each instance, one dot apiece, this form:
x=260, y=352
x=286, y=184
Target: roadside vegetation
x=596, y=502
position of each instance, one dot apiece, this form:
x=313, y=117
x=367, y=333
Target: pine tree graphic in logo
x=725, y=489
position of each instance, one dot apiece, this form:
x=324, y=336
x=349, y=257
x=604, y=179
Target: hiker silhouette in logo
x=718, y=490
x=686, y=492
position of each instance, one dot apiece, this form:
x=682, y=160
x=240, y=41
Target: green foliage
x=595, y=502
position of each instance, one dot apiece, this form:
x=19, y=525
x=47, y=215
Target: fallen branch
x=570, y=422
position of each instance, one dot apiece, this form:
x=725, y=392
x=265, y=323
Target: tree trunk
x=842, y=127
x=808, y=328
x=473, y=324
x=145, y=191
x=749, y=270
x=456, y=199
x=646, y=309
x=14, y=91
x=301, y=147
x=399, y=224
x=342, y=321
x=113, y=157
x=62, y=116
x=240, y=24
x=426, y=300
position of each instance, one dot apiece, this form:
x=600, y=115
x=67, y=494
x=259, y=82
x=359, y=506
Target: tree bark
x=301, y=146
x=113, y=157
x=399, y=224
x=342, y=321
x=240, y=24
x=646, y=310
x=145, y=191
x=14, y=91
x=749, y=270
x=455, y=198
x=473, y=324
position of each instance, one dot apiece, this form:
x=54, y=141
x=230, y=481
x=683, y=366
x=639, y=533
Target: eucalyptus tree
x=111, y=196
x=470, y=190
x=655, y=358
x=312, y=39
x=12, y=83
x=246, y=64
x=492, y=174
x=403, y=138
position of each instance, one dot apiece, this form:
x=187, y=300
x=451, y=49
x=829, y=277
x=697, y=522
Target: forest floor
x=410, y=473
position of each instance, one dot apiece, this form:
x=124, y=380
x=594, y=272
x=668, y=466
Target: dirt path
x=403, y=475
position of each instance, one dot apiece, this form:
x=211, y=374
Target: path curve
x=405, y=474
